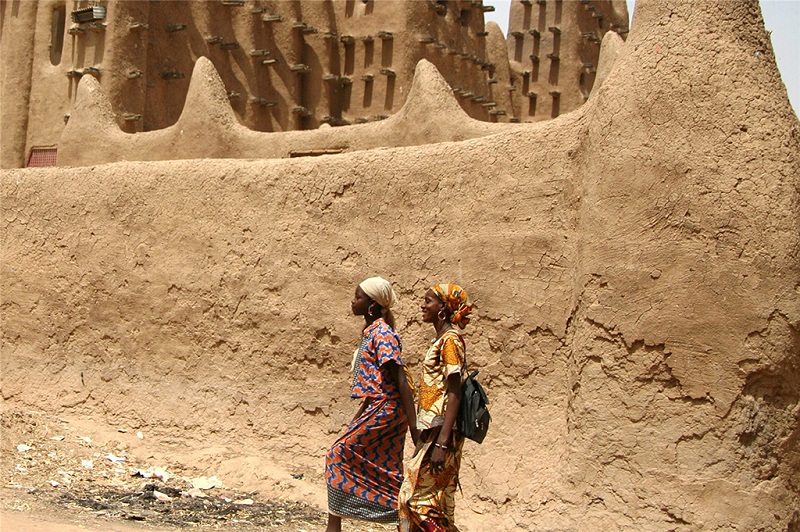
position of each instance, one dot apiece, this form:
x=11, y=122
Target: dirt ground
x=76, y=474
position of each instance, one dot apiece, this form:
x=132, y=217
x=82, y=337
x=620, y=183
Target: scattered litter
x=196, y=493
x=206, y=483
x=21, y=468
x=57, y=438
x=86, y=439
x=246, y=502
x=23, y=507
x=88, y=464
x=140, y=435
x=54, y=483
x=115, y=459
x=122, y=430
x=161, y=496
x=24, y=448
x=153, y=472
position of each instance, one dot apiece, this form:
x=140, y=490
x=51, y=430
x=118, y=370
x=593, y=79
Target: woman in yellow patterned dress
x=427, y=497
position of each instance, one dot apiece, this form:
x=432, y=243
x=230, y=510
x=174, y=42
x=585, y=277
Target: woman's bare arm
x=406, y=397
x=450, y=415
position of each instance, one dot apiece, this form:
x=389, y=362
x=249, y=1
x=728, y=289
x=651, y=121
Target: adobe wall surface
x=635, y=266
x=207, y=127
x=554, y=49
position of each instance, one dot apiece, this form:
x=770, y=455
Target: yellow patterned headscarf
x=455, y=299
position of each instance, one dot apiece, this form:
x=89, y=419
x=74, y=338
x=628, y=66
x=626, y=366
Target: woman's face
x=431, y=307
x=361, y=302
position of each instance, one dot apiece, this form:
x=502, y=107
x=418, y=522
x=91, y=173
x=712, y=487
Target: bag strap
x=453, y=332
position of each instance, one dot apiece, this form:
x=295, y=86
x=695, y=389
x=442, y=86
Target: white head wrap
x=380, y=290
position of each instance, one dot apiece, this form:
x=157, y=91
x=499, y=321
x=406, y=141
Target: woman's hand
x=438, y=457
x=415, y=435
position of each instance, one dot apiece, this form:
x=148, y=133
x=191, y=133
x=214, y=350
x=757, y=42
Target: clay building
x=180, y=296
x=554, y=47
x=286, y=65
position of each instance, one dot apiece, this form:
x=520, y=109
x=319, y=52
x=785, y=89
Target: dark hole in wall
x=347, y=94
x=555, y=66
x=389, y=101
x=387, y=51
x=368, y=86
x=349, y=58
x=369, y=53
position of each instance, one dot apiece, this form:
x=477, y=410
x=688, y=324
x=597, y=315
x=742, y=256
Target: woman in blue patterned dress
x=364, y=468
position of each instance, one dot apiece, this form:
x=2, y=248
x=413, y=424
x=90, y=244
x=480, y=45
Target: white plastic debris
x=54, y=483
x=206, y=483
x=140, y=435
x=196, y=493
x=245, y=502
x=115, y=459
x=153, y=472
x=57, y=438
x=161, y=496
x=24, y=448
x=88, y=464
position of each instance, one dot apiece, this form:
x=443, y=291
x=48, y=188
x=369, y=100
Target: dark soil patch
x=182, y=510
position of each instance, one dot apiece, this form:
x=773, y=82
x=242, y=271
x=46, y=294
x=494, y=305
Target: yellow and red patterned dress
x=427, y=499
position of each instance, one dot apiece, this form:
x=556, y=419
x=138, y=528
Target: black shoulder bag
x=473, y=413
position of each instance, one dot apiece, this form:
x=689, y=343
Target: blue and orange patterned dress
x=364, y=468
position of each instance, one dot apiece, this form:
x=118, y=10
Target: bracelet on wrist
x=440, y=446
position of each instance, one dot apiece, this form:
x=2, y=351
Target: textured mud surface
x=51, y=468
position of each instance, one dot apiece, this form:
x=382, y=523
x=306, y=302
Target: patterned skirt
x=427, y=499
x=364, y=468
